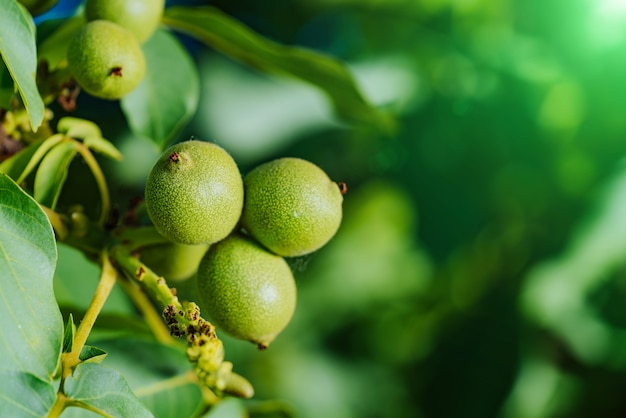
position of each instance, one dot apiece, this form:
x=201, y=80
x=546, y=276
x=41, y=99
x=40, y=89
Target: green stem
x=100, y=180
x=59, y=406
x=141, y=273
x=204, y=350
x=107, y=281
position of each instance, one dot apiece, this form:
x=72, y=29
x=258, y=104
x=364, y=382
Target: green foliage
x=53, y=47
x=19, y=54
x=25, y=395
x=167, y=390
x=234, y=39
x=105, y=391
x=52, y=173
x=479, y=267
x=6, y=85
x=31, y=322
x=168, y=96
x=98, y=366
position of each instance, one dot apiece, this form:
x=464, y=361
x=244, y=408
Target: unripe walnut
x=291, y=206
x=174, y=261
x=194, y=193
x=245, y=290
x=140, y=17
x=106, y=60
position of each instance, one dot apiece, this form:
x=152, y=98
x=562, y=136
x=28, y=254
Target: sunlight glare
x=608, y=22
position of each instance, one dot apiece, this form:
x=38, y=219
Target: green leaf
x=68, y=335
x=53, y=47
x=7, y=87
x=90, y=354
x=104, y=390
x=24, y=395
x=158, y=374
x=593, y=256
x=102, y=146
x=18, y=50
x=228, y=408
x=52, y=173
x=78, y=128
x=36, y=151
x=31, y=324
x=76, y=412
x=90, y=134
x=75, y=281
x=168, y=95
x=234, y=39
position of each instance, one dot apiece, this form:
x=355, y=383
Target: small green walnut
x=245, y=290
x=141, y=17
x=194, y=193
x=291, y=206
x=174, y=261
x=106, y=60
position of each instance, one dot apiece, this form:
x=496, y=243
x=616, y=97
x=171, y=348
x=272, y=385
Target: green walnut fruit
x=245, y=290
x=174, y=261
x=141, y=17
x=291, y=206
x=106, y=60
x=194, y=193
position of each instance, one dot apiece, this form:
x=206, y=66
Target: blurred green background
x=480, y=270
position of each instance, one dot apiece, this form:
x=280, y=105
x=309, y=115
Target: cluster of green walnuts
x=236, y=231
x=105, y=56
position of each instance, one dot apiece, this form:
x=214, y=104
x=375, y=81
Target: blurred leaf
x=160, y=375
x=541, y=390
x=68, y=335
x=484, y=342
x=53, y=47
x=32, y=328
x=111, y=324
x=102, y=146
x=232, y=38
x=104, y=390
x=75, y=281
x=18, y=50
x=228, y=408
x=556, y=290
x=7, y=87
x=23, y=395
x=168, y=95
x=33, y=156
x=90, y=134
x=78, y=128
x=270, y=409
x=372, y=260
x=52, y=173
